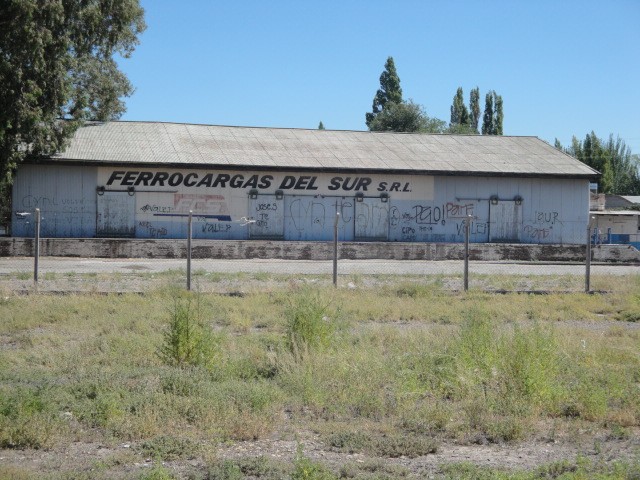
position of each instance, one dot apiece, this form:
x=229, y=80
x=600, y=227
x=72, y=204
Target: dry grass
x=410, y=365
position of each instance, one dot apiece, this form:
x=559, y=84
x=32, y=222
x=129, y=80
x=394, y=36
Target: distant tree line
x=390, y=112
x=612, y=158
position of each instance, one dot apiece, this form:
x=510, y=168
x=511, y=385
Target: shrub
x=167, y=447
x=251, y=467
x=629, y=315
x=389, y=445
x=311, y=321
x=187, y=340
x=27, y=419
x=306, y=469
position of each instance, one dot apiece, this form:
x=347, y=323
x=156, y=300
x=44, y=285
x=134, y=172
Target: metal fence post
x=189, y=229
x=466, y=252
x=36, y=249
x=587, y=277
x=335, y=249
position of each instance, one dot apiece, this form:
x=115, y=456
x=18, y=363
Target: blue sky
x=563, y=67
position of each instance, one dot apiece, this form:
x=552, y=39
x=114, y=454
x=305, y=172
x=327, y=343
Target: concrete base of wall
x=237, y=249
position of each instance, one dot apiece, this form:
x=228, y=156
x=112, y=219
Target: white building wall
x=155, y=203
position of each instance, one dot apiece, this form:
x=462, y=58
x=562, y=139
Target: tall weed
x=187, y=340
x=311, y=321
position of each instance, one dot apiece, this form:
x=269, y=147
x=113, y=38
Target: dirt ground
x=124, y=461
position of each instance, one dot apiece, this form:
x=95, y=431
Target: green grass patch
x=387, y=371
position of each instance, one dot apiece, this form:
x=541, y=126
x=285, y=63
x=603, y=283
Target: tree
x=460, y=122
x=498, y=115
x=320, y=125
x=57, y=70
x=487, y=120
x=493, y=115
x=474, y=109
x=389, y=91
x=612, y=158
x=406, y=117
x=558, y=145
x=459, y=112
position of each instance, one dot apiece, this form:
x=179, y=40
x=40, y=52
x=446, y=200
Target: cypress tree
x=474, y=108
x=459, y=112
x=498, y=115
x=493, y=115
x=487, y=119
x=389, y=90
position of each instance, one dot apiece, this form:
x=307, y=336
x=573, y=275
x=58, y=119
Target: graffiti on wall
x=420, y=221
x=372, y=217
x=475, y=228
x=204, y=206
x=313, y=217
x=264, y=213
x=209, y=212
x=152, y=231
x=58, y=212
x=542, y=224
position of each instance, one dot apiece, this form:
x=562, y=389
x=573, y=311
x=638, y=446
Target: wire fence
x=454, y=267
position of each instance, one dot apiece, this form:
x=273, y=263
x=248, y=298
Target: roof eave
x=396, y=171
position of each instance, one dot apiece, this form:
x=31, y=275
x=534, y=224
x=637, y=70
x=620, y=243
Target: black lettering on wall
x=175, y=179
x=265, y=181
x=117, y=175
x=159, y=179
x=221, y=180
x=187, y=179
x=206, y=181
x=144, y=178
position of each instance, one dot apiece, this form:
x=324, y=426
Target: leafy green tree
x=558, y=145
x=498, y=115
x=406, y=117
x=389, y=91
x=612, y=158
x=459, y=113
x=57, y=70
x=474, y=109
x=493, y=114
x=487, y=119
x=320, y=125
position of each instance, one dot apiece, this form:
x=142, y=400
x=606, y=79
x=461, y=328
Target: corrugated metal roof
x=155, y=143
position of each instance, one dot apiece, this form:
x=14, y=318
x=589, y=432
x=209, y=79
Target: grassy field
x=402, y=368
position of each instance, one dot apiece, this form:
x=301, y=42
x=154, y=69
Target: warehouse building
x=142, y=179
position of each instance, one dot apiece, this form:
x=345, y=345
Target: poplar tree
x=474, y=108
x=459, y=112
x=493, y=114
x=389, y=91
x=498, y=115
x=487, y=119
x=320, y=125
